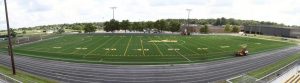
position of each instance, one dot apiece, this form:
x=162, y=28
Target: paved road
x=188, y=73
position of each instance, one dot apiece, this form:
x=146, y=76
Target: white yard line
x=183, y=56
x=142, y=47
x=127, y=45
x=97, y=47
x=190, y=49
x=157, y=47
x=113, y=46
x=178, y=53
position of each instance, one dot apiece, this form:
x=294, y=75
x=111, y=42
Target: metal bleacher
x=294, y=79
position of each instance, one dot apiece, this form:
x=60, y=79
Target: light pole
x=10, y=52
x=188, y=20
x=113, y=8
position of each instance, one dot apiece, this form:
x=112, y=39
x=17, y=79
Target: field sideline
x=144, y=49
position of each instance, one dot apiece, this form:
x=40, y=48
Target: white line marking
x=127, y=45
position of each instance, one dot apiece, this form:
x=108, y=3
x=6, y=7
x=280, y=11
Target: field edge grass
x=24, y=76
x=263, y=71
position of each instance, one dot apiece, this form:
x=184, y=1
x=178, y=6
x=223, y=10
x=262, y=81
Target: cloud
x=177, y=2
x=223, y=3
x=25, y=13
x=34, y=5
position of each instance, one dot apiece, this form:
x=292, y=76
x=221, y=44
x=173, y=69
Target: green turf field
x=144, y=49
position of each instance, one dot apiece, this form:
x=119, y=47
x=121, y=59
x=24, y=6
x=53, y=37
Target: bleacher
x=294, y=79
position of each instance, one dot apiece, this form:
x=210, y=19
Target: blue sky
x=43, y=12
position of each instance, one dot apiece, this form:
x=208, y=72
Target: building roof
x=273, y=26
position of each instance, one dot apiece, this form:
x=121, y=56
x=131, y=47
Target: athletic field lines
x=183, y=55
x=181, y=48
x=36, y=47
x=58, y=47
x=135, y=47
x=73, y=46
x=176, y=50
x=189, y=49
x=198, y=49
x=113, y=47
x=89, y=46
x=98, y=47
x=43, y=44
x=157, y=48
x=165, y=49
x=142, y=49
x=127, y=46
x=211, y=45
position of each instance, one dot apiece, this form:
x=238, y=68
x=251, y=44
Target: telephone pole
x=10, y=51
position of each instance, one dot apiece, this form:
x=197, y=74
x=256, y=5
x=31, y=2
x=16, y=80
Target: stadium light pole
x=113, y=8
x=10, y=52
x=188, y=19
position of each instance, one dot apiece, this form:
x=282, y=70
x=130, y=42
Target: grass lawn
x=144, y=49
x=261, y=72
x=25, y=77
x=273, y=67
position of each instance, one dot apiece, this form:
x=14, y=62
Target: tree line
x=159, y=25
x=126, y=25
x=231, y=21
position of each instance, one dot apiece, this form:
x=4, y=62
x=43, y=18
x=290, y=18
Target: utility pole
x=113, y=8
x=188, y=20
x=10, y=52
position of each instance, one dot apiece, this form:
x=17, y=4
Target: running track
x=187, y=73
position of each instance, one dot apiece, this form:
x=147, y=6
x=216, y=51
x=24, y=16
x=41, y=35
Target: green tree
x=204, y=29
x=218, y=22
x=88, y=28
x=124, y=25
x=107, y=27
x=111, y=26
x=156, y=25
x=142, y=26
x=149, y=25
x=61, y=30
x=174, y=26
x=137, y=26
x=223, y=21
x=162, y=24
x=236, y=29
x=13, y=33
x=24, y=32
x=227, y=28
x=78, y=27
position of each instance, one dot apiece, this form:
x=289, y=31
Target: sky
x=26, y=13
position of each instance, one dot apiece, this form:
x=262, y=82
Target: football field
x=144, y=49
